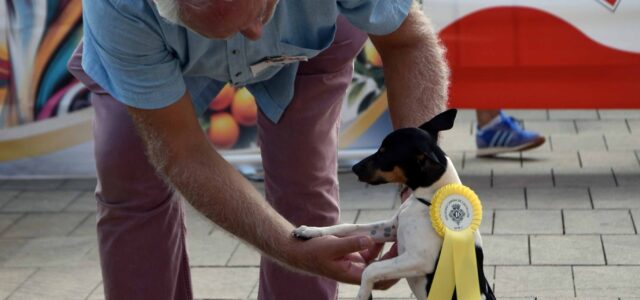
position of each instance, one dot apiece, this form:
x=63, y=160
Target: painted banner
x=541, y=53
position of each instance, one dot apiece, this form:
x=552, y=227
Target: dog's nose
x=357, y=168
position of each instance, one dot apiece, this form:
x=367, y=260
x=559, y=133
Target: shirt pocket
x=309, y=44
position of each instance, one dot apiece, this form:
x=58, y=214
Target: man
x=151, y=73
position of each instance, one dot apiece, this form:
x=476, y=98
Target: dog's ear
x=428, y=159
x=443, y=121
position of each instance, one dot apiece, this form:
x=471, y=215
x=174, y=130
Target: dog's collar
x=423, y=201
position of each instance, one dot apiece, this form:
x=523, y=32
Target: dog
x=410, y=156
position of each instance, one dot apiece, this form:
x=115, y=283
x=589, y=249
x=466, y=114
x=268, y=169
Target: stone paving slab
x=628, y=197
x=42, y=225
x=528, y=114
x=475, y=178
x=52, y=252
x=527, y=222
x=634, y=126
x=399, y=291
x=506, y=161
x=566, y=250
x=602, y=126
x=85, y=202
x=196, y=223
x=505, y=249
x=583, y=177
x=501, y=198
x=98, y=293
x=486, y=227
x=622, y=249
x=59, y=283
x=40, y=201
x=626, y=177
x=87, y=227
x=547, y=160
x=608, y=158
x=85, y=184
x=552, y=127
x=533, y=281
x=12, y=278
x=623, y=142
x=573, y=114
x=6, y=196
x=223, y=283
x=212, y=250
x=523, y=178
x=31, y=184
x=568, y=142
x=9, y=248
x=605, y=281
x=244, y=256
x=606, y=114
x=349, y=216
x=452, y=141
x=8, y=219
x=558, y=198
x=599, y=221
x=356, y=195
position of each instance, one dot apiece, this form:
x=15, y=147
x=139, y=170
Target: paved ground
x=560, y=222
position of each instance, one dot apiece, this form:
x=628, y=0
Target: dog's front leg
x=383, y=231
x=405, y=265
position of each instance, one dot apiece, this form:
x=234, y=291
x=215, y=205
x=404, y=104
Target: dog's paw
x=306, y=233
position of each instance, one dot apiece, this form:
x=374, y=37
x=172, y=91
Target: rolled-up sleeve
x=378, y=17
x=124, y=52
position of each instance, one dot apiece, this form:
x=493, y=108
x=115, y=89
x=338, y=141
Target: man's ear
x=443, y=121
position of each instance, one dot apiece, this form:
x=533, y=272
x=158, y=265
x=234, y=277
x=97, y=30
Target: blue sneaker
x=506, y=136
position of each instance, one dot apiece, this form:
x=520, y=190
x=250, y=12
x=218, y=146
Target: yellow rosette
x=456, y=213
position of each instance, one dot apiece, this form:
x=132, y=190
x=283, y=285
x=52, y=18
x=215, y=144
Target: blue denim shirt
x=146, y=62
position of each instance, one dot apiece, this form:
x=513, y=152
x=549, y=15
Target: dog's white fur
x=418, y=243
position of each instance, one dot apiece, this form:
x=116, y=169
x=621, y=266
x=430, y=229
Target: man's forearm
x=218, y=191
x=415, y=70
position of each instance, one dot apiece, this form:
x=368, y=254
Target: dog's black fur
x=412, y=156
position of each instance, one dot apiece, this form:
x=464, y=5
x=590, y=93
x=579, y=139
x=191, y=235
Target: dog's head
x=409, y=155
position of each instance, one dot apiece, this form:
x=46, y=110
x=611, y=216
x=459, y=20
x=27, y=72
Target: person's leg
x=299, y=155
x=140, y=221
x=484, y=116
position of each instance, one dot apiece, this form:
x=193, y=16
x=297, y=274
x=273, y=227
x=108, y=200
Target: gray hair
x=169, y=10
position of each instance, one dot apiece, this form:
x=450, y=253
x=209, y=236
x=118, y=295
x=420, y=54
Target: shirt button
x=238, y=74
x=234, y=51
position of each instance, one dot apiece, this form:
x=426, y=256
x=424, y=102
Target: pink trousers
x=140, y=221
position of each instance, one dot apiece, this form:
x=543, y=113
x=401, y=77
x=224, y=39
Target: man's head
x=219, y=19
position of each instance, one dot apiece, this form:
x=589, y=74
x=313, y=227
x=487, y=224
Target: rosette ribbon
x=456, y=213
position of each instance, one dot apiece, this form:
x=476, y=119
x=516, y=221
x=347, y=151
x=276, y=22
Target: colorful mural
x=37, y=38
x=503, y=54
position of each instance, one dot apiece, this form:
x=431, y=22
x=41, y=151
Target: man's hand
x=341, y=259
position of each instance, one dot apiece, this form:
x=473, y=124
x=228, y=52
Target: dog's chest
x=415, y=232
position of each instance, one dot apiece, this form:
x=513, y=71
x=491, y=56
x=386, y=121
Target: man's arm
x=177, y=147
x=415, y=70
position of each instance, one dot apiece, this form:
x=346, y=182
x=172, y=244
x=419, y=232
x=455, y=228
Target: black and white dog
x=410, y=156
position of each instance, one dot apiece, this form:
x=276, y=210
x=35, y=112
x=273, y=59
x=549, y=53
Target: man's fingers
x=393, y=252
x=373, y=252
x=343, y=246
x=350, y=272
